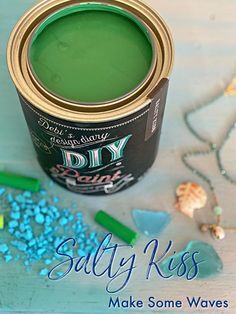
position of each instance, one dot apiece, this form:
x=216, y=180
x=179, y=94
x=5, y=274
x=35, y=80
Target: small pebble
x=36, y=244
x=81, y=252
x=28, y=235
x=48, y=261
x=12, y=224
x=55, y=199
x=63, y=221
x=2, y=191
x=40, y=252
x=15, y=215
x=8, y=258
x=26, y=263
x=43, y=192
x=44, y=272
x=15, y=206
x=3, y=248
x=20, y=198
x=36, y=210
x=10, y=198
x=39, y=218
x=27, y=194
x=32, y=242
x=42, y=202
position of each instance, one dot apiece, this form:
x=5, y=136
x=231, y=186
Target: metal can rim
x=23, y=82
x=116, y=102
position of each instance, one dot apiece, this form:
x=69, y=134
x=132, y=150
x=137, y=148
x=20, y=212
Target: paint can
x=92, y=79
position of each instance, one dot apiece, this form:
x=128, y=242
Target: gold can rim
x=72, y=111
x=116, y=102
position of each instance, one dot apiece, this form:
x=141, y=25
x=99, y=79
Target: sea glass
x=210, y=262
x=151, y=223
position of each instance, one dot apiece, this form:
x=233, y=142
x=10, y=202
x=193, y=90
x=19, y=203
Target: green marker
x=19, y=182
x=115, y=227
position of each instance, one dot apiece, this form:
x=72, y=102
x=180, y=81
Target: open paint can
x=92, y=78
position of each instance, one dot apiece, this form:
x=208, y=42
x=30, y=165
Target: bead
x=218, y=210
x=218, y=232
x=213, y=148
x=204, y=228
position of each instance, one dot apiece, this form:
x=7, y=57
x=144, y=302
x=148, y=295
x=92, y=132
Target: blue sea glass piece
x=149, y=222
x=209, y=262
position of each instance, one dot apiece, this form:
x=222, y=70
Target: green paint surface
x=91, y=53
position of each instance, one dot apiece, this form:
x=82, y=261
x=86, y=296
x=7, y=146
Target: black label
x=96, y=158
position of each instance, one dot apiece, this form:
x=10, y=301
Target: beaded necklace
x=217, y=231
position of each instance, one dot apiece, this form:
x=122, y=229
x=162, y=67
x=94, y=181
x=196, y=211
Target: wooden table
x=204, y=33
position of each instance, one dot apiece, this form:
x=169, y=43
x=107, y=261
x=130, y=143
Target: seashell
x=190, y=196
x=218, y=232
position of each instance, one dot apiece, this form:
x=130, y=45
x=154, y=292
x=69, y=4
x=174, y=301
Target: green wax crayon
x=19, y=182
x=115, y=227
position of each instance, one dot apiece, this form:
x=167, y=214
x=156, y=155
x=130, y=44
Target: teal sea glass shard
x=149, y=222
x=209, y=265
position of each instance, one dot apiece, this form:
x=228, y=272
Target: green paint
x=91, y=53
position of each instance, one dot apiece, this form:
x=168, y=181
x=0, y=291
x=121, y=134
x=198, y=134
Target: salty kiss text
x=118, y=269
